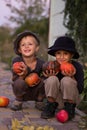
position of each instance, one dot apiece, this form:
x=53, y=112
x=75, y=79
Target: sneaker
x=49, y=110
x=16, y=106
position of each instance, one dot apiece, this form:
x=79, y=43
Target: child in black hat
x=63, y=87
x=26, y=46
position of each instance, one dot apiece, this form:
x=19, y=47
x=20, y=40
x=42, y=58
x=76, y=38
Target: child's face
x=28, y=46
x=63, y=56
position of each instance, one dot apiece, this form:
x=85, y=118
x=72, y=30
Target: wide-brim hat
x=20, y=36
x=64, y=43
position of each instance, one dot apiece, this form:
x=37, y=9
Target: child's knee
x=67, y=81
x=52, y=79
x=19, y=82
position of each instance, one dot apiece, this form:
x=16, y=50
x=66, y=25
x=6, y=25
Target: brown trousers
x=65, y=89
x=23, y=92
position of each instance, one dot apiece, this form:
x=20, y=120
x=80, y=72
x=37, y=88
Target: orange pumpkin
x=16, y=67
x=4, y=101
x=67, y=67
x=32, y=79
x=51, y=65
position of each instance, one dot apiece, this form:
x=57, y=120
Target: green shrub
x=83, y=104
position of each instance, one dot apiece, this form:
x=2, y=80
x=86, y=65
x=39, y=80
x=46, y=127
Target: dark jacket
x=79, y=76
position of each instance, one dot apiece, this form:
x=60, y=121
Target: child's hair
x=64, y=43
x=20, y=36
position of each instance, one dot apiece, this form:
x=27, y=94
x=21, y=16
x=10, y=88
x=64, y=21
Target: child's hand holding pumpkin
x=67, y=69
x=51, y=68
x=20, y=69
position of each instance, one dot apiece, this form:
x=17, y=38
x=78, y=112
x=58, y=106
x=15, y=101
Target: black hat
x=20, y=36
x=64, y=43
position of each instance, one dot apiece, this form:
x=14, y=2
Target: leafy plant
x=85, y=86
x=83, y=104
x=75, y=20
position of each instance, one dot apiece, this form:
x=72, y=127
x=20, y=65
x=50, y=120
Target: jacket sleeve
x=79, y=76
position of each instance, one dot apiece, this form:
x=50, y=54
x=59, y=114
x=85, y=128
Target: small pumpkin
x=16, y=67
x=67, y=67
x=51, y=65
x=32, y=79
x=4, y=101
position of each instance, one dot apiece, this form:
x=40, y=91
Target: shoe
x=16, y=106
x=70, y=108
x=49, y=110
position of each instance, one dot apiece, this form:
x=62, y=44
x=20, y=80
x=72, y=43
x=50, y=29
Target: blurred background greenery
x=29, y=15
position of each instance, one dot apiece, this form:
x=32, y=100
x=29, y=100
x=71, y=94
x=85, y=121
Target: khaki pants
x=65, y=89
